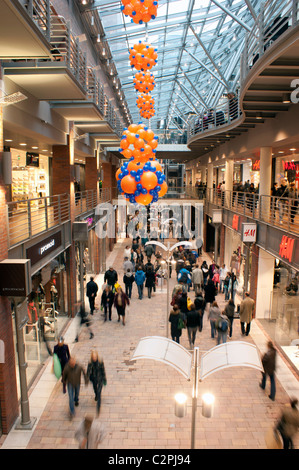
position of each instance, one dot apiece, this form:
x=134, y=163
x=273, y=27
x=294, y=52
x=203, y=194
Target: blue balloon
x=120, y=176
x=137, y=193
x=125, y=172
x=137, y=179
x=158, y=188
x=160, y=180
x=133, y=173
x=139, y=186
x=158, y=173
x=144, y=191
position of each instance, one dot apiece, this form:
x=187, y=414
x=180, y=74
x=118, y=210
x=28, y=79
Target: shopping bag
x=56, y=366
x=273, y=439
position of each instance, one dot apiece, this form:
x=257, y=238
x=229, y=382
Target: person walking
x=84, y=320
x=175, y=318
x=282, y=193
x=222, y=275
x=63, y=353
x=222, y=325
x=269, y=365
x=97, y=375
x=214, y=315
x=293, y=195
x=192, y=323
x=107, y=301
x=210, y=292
x=121, y=300
x=139, y=279
x=111, y=277
x=200, y=306
x=246, y=313
x=150, y=281
x=226, y=286
x=128, y=280
x=128, y=265
x=91, y=293
x=184, y=277
x=229, y=311
x=232, y=286
x=197, y=279
x=288, y=423
x=90, y=433
x=72, y=378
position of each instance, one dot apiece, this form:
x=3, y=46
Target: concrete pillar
x=210, y=182
x=204, y=174
x=229, y=181
x=193, y=175
x=265, y=182
x=265, y=284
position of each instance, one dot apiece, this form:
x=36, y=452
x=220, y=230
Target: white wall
x=265, y=284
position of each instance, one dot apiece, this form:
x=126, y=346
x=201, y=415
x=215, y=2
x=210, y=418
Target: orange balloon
x=128, y=184
x=144, y=199
x=127, y=153
x=134, y=166
x=136, y=154
x=131, y=137
x=163, y=189
x=117, y=173
x=139, y=143
x=149, y=135
x=124, y=143
x=133, y=128
x=149, y=180
x=156, y=165
x=153, y=143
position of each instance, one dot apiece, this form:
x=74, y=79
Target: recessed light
x=281, y=151
x=292, y=150
x=44, y=150
x=23, y=145
x=8, y=140
x=34, y=148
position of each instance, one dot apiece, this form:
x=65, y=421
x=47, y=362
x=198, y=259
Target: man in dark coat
x=269, y=365
x=91, y=293
x=111, y=277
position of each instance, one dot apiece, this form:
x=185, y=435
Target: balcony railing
x=276, y=211
x=87, y=200
x=222, y=115
x=40, y=12
x=274, y=19
x=28, y=218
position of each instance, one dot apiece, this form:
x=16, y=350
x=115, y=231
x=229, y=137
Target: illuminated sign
x=235, y=223
x=289, y=166
x=286, y=247
x=37, y=252
x=256, y=165
x=249, y=233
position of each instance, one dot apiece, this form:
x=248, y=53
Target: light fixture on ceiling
x=99, y=38
x=259, y=116
x=92, y=21
x=23, y=145
x=286, y=98
x=292, y=150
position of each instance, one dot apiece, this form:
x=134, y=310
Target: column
x=229, y=181
x=265, y=182
x=210, y=182
x=193, y=175
x=264, y=284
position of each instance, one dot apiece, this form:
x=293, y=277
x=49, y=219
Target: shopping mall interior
x=126, y=122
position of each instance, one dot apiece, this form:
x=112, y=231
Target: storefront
x=30, y=177
x=287, y=167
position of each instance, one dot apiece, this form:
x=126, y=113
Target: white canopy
x=234, y=354
x=164, y=350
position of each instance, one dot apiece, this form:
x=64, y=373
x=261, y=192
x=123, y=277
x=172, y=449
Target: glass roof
x=199, y=43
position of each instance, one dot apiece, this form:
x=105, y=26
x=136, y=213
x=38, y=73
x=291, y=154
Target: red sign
x=289, y=166
x=286, y=247
x=256, y=165
x=235, y=224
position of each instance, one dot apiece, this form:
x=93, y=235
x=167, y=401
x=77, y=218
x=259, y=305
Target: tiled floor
x=138, y=401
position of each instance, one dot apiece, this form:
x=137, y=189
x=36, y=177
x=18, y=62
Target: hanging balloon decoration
x=140, y=11
x=143, y=56
x=144, y=82
x=140, y=178
x=146, y=105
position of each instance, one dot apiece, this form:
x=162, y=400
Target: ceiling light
x=8, y=140
x=92, y=21
x=34, y=148
x=99, y=38
x=286, y=98
x=281, y=151
x=292, y=150
x=23, y=145
x=259, y=116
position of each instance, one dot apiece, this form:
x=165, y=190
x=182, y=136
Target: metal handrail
x=277, y=211
x=30, y=217
x=221, y=115
x=275, y=18
x=39, y=12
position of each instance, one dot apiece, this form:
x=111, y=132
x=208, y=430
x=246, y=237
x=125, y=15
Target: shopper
x=229, y=311
x=175, y=318
x=233, y=286
x=121, y=300
x=222, y=325
x=127, y=252
x=192, y=323
x=111, y=277
x=97, y=375
x=269, y=365
x=150, y=281
x=197, y=279
x=90, y=433
x=72, y=378
x=210, y=292
x=128, y=280
x=214, y=314
x=293, y=195
x=183, y=303
x=282, y=193
x=84, y=320
x=63, y=353
x=222, y=275
x=91, y=293
x=246, y=313
x=139, y=279
x=128, y=265
x=200, y=306
x=288, y=424
x=107, y=302
x=205, y=272
x=226, y=286
x=184, y=277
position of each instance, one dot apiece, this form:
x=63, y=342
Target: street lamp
x=168, y=250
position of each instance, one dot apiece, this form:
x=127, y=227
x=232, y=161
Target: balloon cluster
x=144, y=82
x=140, y=11
x=146, y=103
x=140, y=178
x=143, y=56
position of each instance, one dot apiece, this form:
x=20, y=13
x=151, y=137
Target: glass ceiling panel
x=196, y=41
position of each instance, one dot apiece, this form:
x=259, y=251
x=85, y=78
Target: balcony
x=25, y=29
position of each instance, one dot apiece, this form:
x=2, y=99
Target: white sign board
x=2, y=352
x=248, y=232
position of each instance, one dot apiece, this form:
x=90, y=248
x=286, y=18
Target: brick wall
x=91, y=173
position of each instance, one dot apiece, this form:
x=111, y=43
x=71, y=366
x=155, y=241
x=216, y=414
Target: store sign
x=286, y=248
x=15, y=279
x=2, y=352
x=235, y=223
x=256, y=165
x=37, y=252
x=289, y=166
x=248, y=233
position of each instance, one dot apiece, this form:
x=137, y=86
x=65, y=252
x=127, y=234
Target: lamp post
x=168, y=250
